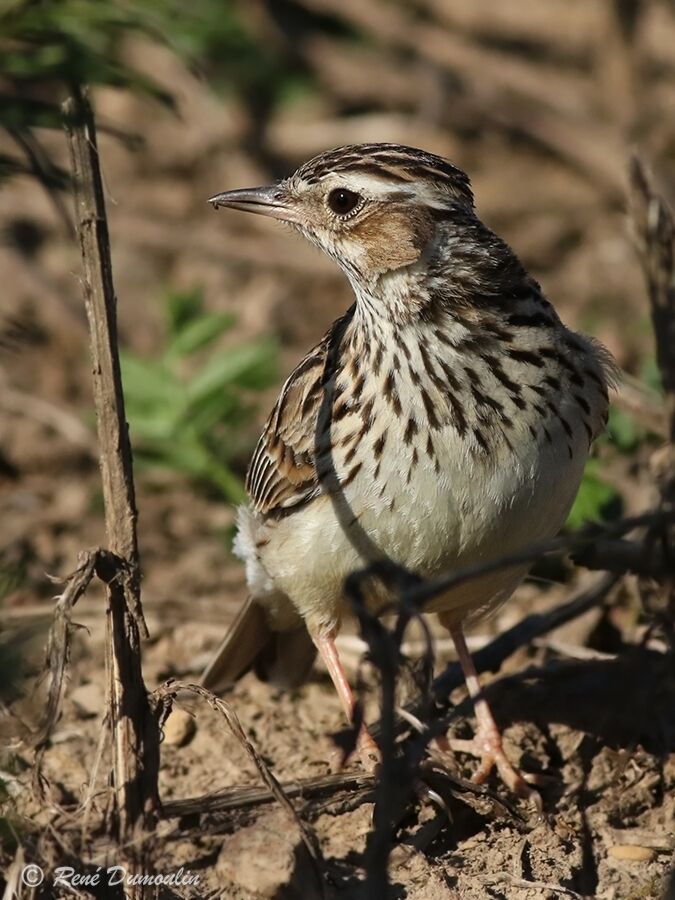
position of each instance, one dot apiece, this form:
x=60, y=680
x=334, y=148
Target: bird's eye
x=342, y=201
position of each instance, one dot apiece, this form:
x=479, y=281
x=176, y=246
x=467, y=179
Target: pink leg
x=325, y=644
x=487, y=742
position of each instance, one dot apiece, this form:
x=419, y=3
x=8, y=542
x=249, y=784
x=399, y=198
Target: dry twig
x=164, y=696
x=58, y=644
x=654, y=230
x=236, y=798
x=523, y=883
x=134, y=727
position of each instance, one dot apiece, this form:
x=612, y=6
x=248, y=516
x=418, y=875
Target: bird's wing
x=282, y=474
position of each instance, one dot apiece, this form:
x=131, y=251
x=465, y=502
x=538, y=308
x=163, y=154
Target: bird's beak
x=271, y=201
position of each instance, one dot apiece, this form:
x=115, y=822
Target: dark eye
x=342, y=201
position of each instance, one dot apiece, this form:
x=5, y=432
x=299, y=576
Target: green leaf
x=229, y=484
x=147, y=381
x=193, y=458
x=199, y=333
x=183, y=307
x=651, y=374
x=217, y=408
x=596, y=500
x=623, y=430
x=189, y=422
x=152, y=426
x=251, y=366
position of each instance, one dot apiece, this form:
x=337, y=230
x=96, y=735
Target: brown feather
x=282, y=658
x=248, y=636
x=282, y=474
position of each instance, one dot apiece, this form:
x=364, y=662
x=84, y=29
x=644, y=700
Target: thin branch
x=101, y=304
x=87, y=802
x=164, y=696
x=489, y=658
x=584, y=545
x=654, y=230
x=135, y=801
x=58, y=644
x=621, y=556
x=236, y=798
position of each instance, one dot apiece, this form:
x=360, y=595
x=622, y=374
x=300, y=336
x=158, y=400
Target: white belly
x=464, y=510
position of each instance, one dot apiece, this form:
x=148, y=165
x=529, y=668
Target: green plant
x=48, y=46
x=597, y=500
x=186, y=408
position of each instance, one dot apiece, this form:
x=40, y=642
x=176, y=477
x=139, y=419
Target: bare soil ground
x=591, y=707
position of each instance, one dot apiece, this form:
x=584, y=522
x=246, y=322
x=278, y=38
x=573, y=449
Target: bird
x=443, y=421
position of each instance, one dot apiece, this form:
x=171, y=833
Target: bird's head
x=374, y=208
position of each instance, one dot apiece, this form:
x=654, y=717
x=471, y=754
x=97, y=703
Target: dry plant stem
x=393, y=779
x=101, y=305
x=640, y=402
x=164, y=696
x=655, y=233
x=541, y=887
x=12, y=876
x=88, y=800
x=236, y=798
x=58, y=644
x=134, y=727
x=591, y=543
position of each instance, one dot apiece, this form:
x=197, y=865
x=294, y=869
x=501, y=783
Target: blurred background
x=541, y=103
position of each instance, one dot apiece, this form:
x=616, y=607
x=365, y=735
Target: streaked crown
x=388, y=165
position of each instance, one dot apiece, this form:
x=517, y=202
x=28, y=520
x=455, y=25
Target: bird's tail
x=283, y=658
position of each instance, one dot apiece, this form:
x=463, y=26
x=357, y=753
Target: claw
x=368, y=751
x=487, y=746
x=424, y=792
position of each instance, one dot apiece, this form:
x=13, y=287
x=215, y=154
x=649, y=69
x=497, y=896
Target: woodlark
x=442, y=421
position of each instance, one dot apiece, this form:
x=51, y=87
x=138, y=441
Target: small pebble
x=632, y=853
x=179, y=728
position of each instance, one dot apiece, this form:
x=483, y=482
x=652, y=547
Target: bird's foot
x=367, y=750
x=487, y=746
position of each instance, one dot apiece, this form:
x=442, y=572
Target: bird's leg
x=487, y=741
x=325, y=644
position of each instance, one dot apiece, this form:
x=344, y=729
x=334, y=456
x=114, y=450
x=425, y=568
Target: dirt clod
x=179, y=728
x=631, y=853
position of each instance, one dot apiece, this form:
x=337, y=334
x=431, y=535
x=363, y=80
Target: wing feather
x=282, y=474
